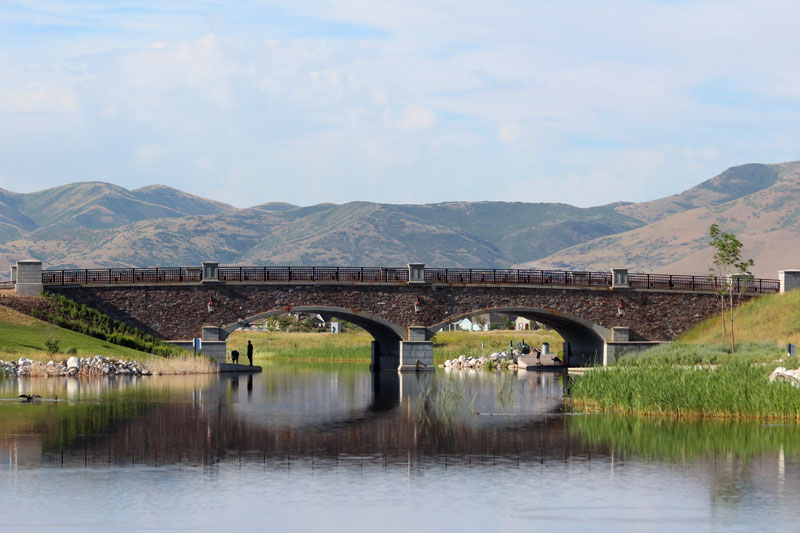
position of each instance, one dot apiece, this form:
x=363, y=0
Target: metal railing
x=106, y=276
x=701, y=283
x=453, y=276
x=341, y=274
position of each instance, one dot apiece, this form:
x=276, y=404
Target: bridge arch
x=584, y=340
x=387, y=335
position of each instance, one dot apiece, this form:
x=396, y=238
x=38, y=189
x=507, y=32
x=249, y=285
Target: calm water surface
x=341, y=449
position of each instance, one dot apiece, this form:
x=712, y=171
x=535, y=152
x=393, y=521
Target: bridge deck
x=400, y=275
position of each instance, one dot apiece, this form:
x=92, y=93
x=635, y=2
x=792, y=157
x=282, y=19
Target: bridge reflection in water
x=343, y=450
x=298, y=416
x=309, y=417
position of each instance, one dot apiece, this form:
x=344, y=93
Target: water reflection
x=480, y=433
x=301, y=413
x=295, y=413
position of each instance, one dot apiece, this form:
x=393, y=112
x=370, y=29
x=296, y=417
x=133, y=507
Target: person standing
x=250, y=352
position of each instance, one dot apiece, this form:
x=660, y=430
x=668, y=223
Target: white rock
x=781, y=374
x=74, y=362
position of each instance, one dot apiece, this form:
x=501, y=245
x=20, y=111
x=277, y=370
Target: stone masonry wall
x=180, y=311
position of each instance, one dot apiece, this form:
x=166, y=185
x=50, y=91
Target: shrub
x=52, y=345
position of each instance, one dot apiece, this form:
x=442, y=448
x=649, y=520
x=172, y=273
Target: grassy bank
x=281, y=347
x=24, y=336
x=65, y=313
x=733, y=390
x=774, y=318
x=698, y=376
x=354, y=346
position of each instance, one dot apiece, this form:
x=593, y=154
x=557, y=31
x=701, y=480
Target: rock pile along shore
x=74, y=366
x=495, y=360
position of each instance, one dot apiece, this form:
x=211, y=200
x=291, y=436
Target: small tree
x=271, y=325
x=52, y=344
x=734, y=271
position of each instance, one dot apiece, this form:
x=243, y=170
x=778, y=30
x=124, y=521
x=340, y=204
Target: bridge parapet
x=414, y=274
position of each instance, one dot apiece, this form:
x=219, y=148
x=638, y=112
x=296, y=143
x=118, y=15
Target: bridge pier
x=416, y=355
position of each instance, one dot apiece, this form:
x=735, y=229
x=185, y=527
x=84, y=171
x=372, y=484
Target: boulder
x=781, y=374
x=74, y=362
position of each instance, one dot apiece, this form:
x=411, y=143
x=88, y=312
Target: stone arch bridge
x=599, y=314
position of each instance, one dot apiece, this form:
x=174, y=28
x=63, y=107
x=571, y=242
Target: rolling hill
x=759, y=203
x=95, y=224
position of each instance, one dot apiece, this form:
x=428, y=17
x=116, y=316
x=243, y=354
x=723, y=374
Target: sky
x=584, y=102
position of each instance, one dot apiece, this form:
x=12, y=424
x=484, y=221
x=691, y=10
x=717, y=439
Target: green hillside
x=24, y=336
x=773, y=318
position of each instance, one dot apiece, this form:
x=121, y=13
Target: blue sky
x=582, y=102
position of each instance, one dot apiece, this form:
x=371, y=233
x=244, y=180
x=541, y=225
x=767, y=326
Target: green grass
x=773, y=318
x=354, y=346
x=681, y=353
x=281, y=347
x=22, y=335
x=698, y=376
x=733, y=390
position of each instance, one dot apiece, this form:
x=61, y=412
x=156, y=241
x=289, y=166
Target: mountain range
x=95, y=224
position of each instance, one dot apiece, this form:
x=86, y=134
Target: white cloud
x=579, y=99
x=409, y=118
x=148, y=153
x=38, y=97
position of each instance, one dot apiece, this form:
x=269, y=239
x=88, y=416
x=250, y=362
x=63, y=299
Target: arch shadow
x=584, y=341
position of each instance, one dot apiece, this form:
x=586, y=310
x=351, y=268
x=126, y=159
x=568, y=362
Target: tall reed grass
x=681, y=353
x=734, y=390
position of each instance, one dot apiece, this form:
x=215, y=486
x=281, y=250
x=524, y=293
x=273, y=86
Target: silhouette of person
x=235, y=357
x=250, y=352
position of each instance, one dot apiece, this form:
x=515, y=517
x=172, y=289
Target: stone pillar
x=620, y=278
x=29, y=278
x=417, y=333
x=416, y=273
x=416, y=355
x=211, y=333
x=13, y=273
x=210, y=272
x=790, y=280
x=620, y=334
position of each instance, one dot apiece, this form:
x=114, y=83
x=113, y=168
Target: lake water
x=340, y=449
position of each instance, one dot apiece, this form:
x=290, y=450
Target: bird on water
x=28, y=397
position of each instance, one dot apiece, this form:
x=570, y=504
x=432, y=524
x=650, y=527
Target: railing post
x=619, y=278
x=416, y=273
x=29, y=278
x=210, y=272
